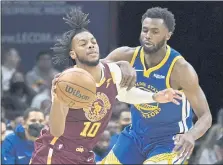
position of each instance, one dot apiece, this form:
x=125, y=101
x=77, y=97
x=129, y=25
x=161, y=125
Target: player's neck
x=154, y=59
x=95, y=71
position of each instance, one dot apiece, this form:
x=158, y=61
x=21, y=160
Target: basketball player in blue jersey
x=160, y=133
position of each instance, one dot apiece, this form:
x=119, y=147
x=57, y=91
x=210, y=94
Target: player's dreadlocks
x=78, y=21
x=162, y=13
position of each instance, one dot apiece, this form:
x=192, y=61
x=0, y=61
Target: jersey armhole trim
x=134, y=56
x=170, y=71
x=50, y=152
x=113, y=77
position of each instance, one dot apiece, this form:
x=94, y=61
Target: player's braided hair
x=162, y=13
x=78, y=21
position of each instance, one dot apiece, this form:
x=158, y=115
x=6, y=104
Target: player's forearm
x=201, y=126
x=135, y=96
x=57, y=118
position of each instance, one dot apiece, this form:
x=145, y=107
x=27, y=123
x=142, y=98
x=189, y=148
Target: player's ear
x=73, y=54
x=169, y=34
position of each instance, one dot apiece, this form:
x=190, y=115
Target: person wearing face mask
x=17, y=147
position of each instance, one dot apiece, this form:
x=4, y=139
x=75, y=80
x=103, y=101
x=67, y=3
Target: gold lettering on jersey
x=99, y=108
x=108, y=82
x=148, y=110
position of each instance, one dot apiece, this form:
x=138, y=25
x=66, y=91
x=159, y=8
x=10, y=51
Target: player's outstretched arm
x=122, y=56
x=123, y=53
x=186, y=78
x=58, y=113
x=138, y=96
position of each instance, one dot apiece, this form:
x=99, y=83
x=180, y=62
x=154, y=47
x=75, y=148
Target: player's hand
x=168, y=95
x=128, y=75
x=184, y=145
x=53, y=88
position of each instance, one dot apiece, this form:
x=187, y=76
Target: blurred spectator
x=124, y=120
x=11, y=60
x=3, y=130
x=118, y=108
x=41, y=97
x=12, y=124
x=219, y=151
x=207, y=154
x=102, y=146
x=46, y=106
x=46, y=122
x=18, y=147
x=2, y=112
x=18, y=98
x=113, y=127
x=42, y=73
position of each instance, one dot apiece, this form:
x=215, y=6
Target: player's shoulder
x=115, y=71
x=127, y=49
x=113, y=67
x=124, y=53
x=183, y=70
x=182, y=65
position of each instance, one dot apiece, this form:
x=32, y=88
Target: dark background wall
x=31, y=26
x=198, y=36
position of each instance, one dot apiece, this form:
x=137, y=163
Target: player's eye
x=83, y=44
x=155, y=32
x=93, y=41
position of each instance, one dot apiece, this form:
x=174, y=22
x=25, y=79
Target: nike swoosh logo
x=21, y=157
x=138, y=70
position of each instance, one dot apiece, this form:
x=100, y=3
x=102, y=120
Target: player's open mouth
x=148, y=44
x=93, y=54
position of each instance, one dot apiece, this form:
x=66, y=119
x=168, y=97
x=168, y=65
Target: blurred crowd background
x=29, y=29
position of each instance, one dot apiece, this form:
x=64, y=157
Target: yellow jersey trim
x=101, y=82
x=113, y=77
x=134, y=56
x=50, y=153
x=147, y=72
x=170, y=71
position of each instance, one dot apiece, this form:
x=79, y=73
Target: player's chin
x=93, y=62
x=149, y=49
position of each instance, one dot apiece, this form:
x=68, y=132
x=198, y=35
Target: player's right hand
x=168, y=95
x=53, y=88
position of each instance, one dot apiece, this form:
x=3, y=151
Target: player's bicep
x=116, y=74
x=120, y=54
x=188, y=81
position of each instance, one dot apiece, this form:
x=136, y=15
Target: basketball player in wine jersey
x=73, y=133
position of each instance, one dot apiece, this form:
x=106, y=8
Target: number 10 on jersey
x=90, y=129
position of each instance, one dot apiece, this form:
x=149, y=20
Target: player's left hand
x=184, y=145
x=168, y=95
x=128, y=75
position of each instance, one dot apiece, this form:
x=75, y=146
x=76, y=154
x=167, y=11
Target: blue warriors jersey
x=157, y=120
